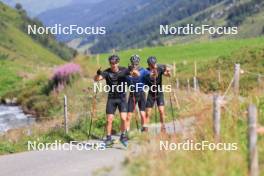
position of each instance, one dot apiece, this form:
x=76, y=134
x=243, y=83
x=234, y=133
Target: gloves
x=135, y=73
x=99, y=71
x=154, y=74
x=130, y=68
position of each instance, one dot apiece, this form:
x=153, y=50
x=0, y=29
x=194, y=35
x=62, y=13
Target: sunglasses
x=113, y=63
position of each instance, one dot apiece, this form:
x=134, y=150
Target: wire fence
x=89, y=105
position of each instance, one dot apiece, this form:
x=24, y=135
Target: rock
x=8, y=101
x=14, y=100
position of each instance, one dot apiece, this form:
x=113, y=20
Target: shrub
x=64, y=75
x=34, y=98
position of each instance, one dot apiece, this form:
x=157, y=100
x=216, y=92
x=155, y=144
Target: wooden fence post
x=219, y=76
x=236, y=79
x=195, y=77
x=194, y=84
x=188, y=85
x=195, y=69
x=197, y=85
x=65, y=115
x=174, y=69
x=259, y=79
x=217, y=117
x=252, y=140
x=98, y=60
x=177, y=84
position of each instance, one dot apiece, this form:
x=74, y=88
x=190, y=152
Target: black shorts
x=151, y=100
x=139, y=99
x=116, y=102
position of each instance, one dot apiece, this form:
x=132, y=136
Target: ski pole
x=93, y=113
x=136, y=116
x=172, y=109
x=155, y=102
x=104, y=133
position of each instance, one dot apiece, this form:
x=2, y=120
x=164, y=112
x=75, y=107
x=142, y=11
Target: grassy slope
x=153, y=161
x=21, y=53
x=251, y=27
x=199, y=51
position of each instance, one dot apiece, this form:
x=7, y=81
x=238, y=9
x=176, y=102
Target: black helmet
x=152, y=60
x=114, y=58
x=135, y=60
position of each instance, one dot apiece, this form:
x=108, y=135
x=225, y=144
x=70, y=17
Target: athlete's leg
x=142, y=108
x=143, y=118
x=130, y=110
x=161, y=107
x=108, y=141
x=149, y=106
x=162, y=114
x=109, y=124
x=148, y=114
x=122, y=106
x=128, y=120
x=110, y=111
x=123, y=116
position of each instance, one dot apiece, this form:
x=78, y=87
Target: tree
x=18, y=6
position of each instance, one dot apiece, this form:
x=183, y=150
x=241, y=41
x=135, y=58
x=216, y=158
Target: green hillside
x=142, y=28
x=207, y=55
x=197, y=51
x=246, y=14
x=20, y=56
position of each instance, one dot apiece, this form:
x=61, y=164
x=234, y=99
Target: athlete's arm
x=100, y=75
x=134, y=73
x=145, y=72
x=167, y=72
x=154, y=73
x=98, y=78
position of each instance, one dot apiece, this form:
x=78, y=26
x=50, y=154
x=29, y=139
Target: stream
x=13, y=117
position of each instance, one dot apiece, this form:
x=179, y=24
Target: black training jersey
x=155, y=81
x=116, y=81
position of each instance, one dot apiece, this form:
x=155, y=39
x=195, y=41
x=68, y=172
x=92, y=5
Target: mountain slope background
x=21, y=55
x=34, y=7
x=133, y=24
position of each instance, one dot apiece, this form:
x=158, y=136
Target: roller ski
x=124, y=140
x=109, y=142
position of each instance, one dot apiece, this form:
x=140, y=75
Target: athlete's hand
x=154, y=74
x=130, y=68
x=167, y=71
x=134, y=73
x=99, y=71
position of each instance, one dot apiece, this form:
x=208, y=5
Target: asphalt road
x=107, y=162
x=61, y=163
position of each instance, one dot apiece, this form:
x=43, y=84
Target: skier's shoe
x=144, y=129
x=124, y=140
x=109, y=142
x=163, y=129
